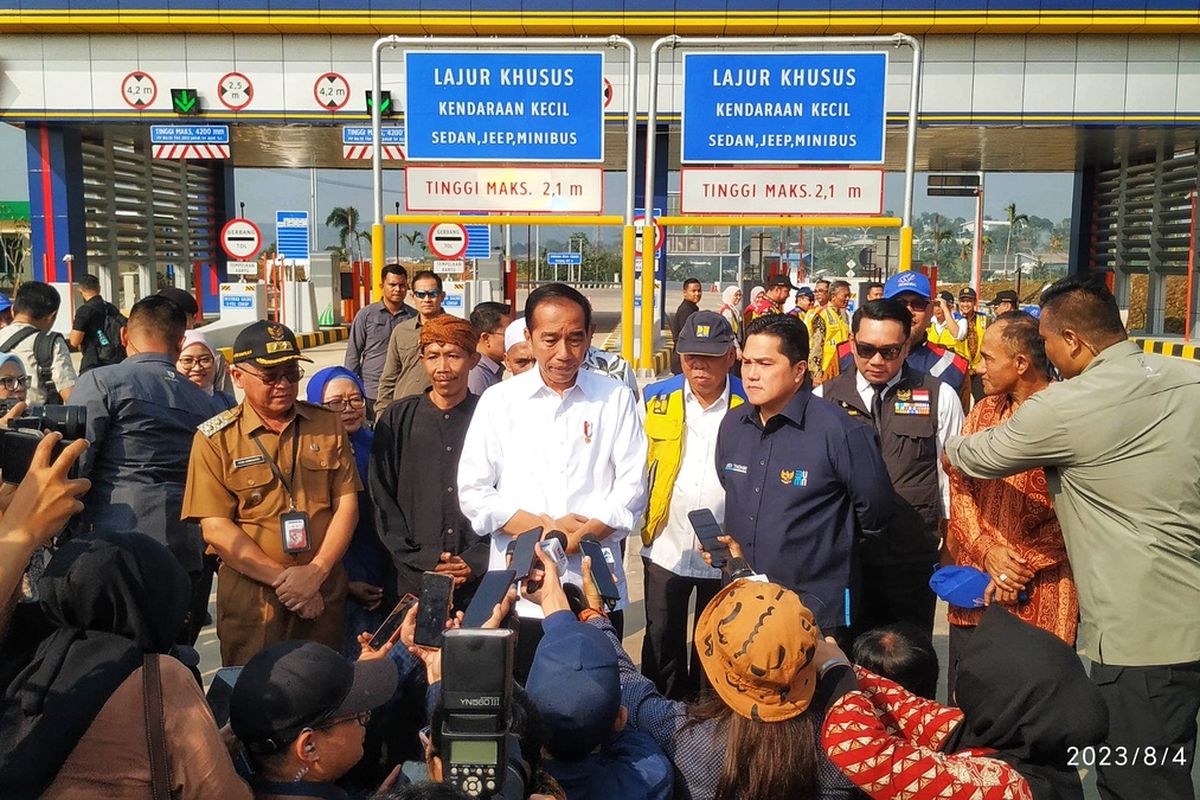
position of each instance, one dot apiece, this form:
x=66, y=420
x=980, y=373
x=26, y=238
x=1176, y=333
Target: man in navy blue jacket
x=803, y=482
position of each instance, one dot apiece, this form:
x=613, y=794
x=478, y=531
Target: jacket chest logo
x=793, y=477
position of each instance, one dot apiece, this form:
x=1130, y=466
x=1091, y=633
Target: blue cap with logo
x=907, y=281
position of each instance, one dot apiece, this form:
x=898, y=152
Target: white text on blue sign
x=388, y=134
x=784, y=108
x=505, y=106
x=189, y=134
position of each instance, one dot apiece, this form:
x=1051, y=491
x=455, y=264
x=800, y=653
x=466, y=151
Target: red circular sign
x=235, y=91
x=241, y=239
x=448, y=240
x=139, y=90
x=332, y=91
x=608, y=93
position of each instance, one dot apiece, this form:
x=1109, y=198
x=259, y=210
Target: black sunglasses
x=426, y=294
x=868, y=351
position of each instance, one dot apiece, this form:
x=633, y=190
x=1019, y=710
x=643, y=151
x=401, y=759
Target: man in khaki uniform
x=403, y=374
x=274, y=486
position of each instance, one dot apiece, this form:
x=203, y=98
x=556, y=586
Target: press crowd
x=801, y=491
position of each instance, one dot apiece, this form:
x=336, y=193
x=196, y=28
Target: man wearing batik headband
x=414, y=463
x=274, y=486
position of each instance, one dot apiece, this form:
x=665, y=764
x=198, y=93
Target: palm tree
x=413, y=238
x=345, y=221
x=1014, y=219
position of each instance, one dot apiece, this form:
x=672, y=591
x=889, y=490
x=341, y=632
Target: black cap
x=967, y=293
x=182, y=299
x=289, y=686
x=781, y=280
x=804, y=291
x=1006, y=296
x=949, y=298
x=266, y=344
x=706, y=333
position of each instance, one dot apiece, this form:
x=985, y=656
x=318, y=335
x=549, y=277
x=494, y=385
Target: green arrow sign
x=185, y=101
x=385, y=102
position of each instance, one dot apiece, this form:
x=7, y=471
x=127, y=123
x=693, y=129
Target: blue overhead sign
x=291, y=234
x=784, y=108
x=564, y=259
x=479, y=241
x=189, y=134
x=388, y=134
x=504, y=106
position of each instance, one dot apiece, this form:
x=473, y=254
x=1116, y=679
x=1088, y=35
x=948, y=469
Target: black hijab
x=111, y=599
x=1024, y=693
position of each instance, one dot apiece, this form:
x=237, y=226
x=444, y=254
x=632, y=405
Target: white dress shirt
x=949, y=423
x=696, y=486
x=960, y=328
x=528, y=448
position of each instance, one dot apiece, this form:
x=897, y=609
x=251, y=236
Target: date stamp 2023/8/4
x=1122, y=756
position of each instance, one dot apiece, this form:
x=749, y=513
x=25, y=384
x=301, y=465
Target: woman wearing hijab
x=14, y=381
x=731, y=310
x=1025, y=703
x=340, y=390
x=199, y=362
x=755, y=294
x=74, y=718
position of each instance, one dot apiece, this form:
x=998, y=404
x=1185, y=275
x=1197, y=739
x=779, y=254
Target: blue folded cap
x=5, y=303
x=960, y=586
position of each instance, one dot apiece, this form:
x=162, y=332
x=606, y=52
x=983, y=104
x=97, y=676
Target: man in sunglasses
x=914, y=415
x=913, y=290
x=402, y=371
x=274, y=486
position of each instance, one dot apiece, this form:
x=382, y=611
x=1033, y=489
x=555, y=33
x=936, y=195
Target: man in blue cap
x=912, y=288
x=6, y=314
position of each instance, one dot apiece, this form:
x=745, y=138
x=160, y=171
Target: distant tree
x=345, y=220
x=1014, y=219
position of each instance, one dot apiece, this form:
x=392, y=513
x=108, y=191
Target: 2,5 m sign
x=784, y=108
x=504, y=106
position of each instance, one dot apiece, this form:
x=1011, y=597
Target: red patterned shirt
x=886, y=741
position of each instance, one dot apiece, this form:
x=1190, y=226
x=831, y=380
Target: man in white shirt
x=683, y=416
x=914, y=416
x=556, y=447
x=44, y=352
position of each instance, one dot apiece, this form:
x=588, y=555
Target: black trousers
x=1152, y=715
x=201, y=583
x=666, y=658
x=959, y=636
x=897, y=592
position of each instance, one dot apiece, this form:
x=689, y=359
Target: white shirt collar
x=690, y=397
x=582, y=383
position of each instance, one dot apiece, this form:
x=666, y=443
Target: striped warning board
x=208, y=151
x=391, y=152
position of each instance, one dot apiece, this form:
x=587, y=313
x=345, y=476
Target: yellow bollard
x=377, y=259
x=906, y=246
x=646, y=361
x=627, y=287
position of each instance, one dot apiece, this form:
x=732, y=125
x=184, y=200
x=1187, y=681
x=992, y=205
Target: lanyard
x=286, y=482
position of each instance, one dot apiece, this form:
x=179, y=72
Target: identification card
x=293, y=527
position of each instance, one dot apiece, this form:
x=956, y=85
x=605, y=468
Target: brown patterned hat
x=756, y=643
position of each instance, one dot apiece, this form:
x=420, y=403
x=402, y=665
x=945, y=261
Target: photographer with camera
x=575, y=684
x=44, y=352
x=142, y=415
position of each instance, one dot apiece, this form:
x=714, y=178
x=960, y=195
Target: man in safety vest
x=828, y=327
x=772, y=300
x=975, y=323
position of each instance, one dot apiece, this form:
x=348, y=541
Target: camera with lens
x=480, y=755
x=21, y=437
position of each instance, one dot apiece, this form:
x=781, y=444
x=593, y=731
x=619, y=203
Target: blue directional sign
x=388, y=134
x=291, y=234
x=784, y=108
x=189, y=134
x=504, y=106
x=564, y=259
x=479, y=241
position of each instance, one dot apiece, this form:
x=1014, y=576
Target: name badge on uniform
x=293, y=527
x=913, y=409
x=248, y=461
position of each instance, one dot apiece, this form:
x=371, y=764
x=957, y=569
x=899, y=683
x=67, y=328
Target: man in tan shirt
x=1118, y=440
x=274, y=486
x=402, y=371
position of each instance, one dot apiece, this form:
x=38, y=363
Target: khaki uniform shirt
x=1119, y=446
x=403, y=373
x=229, y=477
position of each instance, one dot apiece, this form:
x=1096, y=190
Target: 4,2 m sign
x=784, y=108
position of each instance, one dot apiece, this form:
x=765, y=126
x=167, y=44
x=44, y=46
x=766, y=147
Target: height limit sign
x=241, y=239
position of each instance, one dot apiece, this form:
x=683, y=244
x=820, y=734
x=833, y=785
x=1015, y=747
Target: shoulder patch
x=218, y=423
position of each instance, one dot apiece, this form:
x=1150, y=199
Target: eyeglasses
x=889, y=352
x=363, y=717
x=12, y=384
x=916, y=303
x=187, y=362
x=340, y=404
x=291, y=375
x=426, y=295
